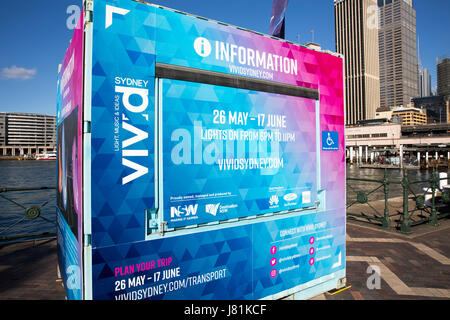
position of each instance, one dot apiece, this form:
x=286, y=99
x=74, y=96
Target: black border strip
x=222, y=79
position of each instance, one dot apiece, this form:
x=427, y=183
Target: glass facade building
x=398, y=53
x=424, y=83
x=443, y=75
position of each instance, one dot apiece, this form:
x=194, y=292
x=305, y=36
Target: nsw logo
x=183, y=211
x=202, y=47
x=212, y=208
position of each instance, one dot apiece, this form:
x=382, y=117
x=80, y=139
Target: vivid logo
x=135, y=101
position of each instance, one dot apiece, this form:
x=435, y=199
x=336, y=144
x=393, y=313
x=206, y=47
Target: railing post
x=386, y=220
x=406, y=225
x=434, y=185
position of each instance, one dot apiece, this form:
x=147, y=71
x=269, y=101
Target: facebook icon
x=330, y=140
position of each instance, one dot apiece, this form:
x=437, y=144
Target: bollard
x=406, y=224
x=434, y=181
x=442, y=180
x=386, y=220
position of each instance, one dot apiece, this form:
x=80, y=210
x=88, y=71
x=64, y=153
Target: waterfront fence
x=27, y=214
x=398, y=204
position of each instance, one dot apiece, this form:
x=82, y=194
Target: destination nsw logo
x=232, y=53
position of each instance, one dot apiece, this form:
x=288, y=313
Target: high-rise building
x=398, y=53
x=435, y=107
x=443, y=77
x=443, y=80
x=424, y=83
x=356, y=33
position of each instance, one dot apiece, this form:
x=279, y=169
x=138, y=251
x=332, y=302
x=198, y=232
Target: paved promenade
x=416, y=266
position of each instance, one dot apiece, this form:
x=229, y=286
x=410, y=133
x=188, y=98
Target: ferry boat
x=46, y=156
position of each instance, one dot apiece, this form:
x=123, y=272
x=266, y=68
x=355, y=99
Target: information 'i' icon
x=202, y=46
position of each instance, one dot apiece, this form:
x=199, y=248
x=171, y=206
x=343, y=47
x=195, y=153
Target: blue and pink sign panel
x=205, y=189
x=69, y=178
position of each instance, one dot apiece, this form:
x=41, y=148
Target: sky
x=34, y=35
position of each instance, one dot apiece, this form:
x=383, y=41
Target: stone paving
x=415, y=266
x=28, y=271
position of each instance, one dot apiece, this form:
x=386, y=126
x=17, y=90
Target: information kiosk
x=197, y=160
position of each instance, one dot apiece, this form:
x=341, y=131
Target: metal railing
x=420, y=201
x=20, y=221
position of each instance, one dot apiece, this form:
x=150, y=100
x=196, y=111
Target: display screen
x=69, y=196
x=231, y=153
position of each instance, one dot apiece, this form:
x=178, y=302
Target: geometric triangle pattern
x=242, y=260
x=231, y=263
x=123, y=56
x=317, y=70
x=69, y=110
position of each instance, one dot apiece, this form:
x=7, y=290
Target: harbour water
x=28, y=174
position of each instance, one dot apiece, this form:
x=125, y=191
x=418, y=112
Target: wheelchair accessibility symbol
x=330, y=140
